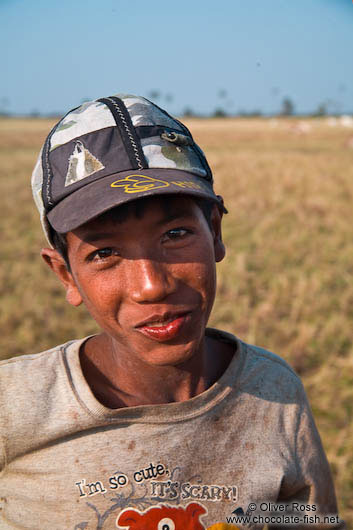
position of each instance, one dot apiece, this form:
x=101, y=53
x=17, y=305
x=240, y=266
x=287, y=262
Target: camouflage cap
x=110, y=151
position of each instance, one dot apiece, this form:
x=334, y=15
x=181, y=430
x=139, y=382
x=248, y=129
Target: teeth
x=159, y=324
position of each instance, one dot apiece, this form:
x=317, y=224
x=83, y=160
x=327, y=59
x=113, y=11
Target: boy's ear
x=216, y=223
x=56, y=262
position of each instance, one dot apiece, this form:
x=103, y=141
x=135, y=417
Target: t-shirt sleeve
x=313, y=485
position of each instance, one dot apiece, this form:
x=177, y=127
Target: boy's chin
x=171, y=355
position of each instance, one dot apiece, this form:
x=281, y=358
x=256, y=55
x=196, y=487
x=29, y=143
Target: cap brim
x=103, y=194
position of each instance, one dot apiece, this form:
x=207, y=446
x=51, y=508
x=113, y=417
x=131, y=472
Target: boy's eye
x=176, y=233
x=102, y=253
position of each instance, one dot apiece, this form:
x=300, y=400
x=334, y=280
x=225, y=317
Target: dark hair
x=60, y=243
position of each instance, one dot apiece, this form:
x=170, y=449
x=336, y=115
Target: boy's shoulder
x=35, y=395
x=258, y=354
x=260, y=372
x=270, y=377
x=254, y=354
x=27, y=377
x=24, y=365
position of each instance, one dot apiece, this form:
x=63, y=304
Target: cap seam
x=127, y=129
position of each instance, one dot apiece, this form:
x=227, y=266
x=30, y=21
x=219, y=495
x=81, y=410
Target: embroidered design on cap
x=82, y=164
x=138, y=183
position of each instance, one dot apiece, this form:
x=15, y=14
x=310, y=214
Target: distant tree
x=154, y=94
x=321, y=110
x=188, y=112
x=169, y=98
x=249, y=113
x=4, y=102
x=219, y=113
x=55, y=114
x=256, y=113
x=287, y=108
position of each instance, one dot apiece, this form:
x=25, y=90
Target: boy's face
x=148, y=280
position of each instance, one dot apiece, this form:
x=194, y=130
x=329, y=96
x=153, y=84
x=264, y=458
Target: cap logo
x=82, y=164
x=139, y=183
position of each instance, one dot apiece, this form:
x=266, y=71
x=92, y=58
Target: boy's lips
x=163, y=327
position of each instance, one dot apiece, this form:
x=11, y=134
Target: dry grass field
x=286, y=284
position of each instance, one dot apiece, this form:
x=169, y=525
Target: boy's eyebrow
x=95, y=236
x=92, y=237
x=174, y=215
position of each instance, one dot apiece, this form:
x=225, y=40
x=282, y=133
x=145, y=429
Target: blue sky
x=55, y=54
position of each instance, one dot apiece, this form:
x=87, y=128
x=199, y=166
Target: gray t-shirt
x=68, y=462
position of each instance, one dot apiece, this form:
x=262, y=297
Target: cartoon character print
x=163, y=518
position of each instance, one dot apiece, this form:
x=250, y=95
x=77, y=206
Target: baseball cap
x=111, y=151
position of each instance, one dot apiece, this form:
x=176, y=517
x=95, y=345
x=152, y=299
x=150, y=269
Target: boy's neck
x=118, y=383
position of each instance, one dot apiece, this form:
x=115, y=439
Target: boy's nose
x=150, y=281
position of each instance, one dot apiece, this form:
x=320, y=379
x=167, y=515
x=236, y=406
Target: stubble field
x=286, y=283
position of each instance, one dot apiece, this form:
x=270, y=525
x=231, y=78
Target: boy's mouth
x=163, y=328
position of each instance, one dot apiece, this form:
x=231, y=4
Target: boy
x=156, y=422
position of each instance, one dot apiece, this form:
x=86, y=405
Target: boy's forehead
x=157, y=208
